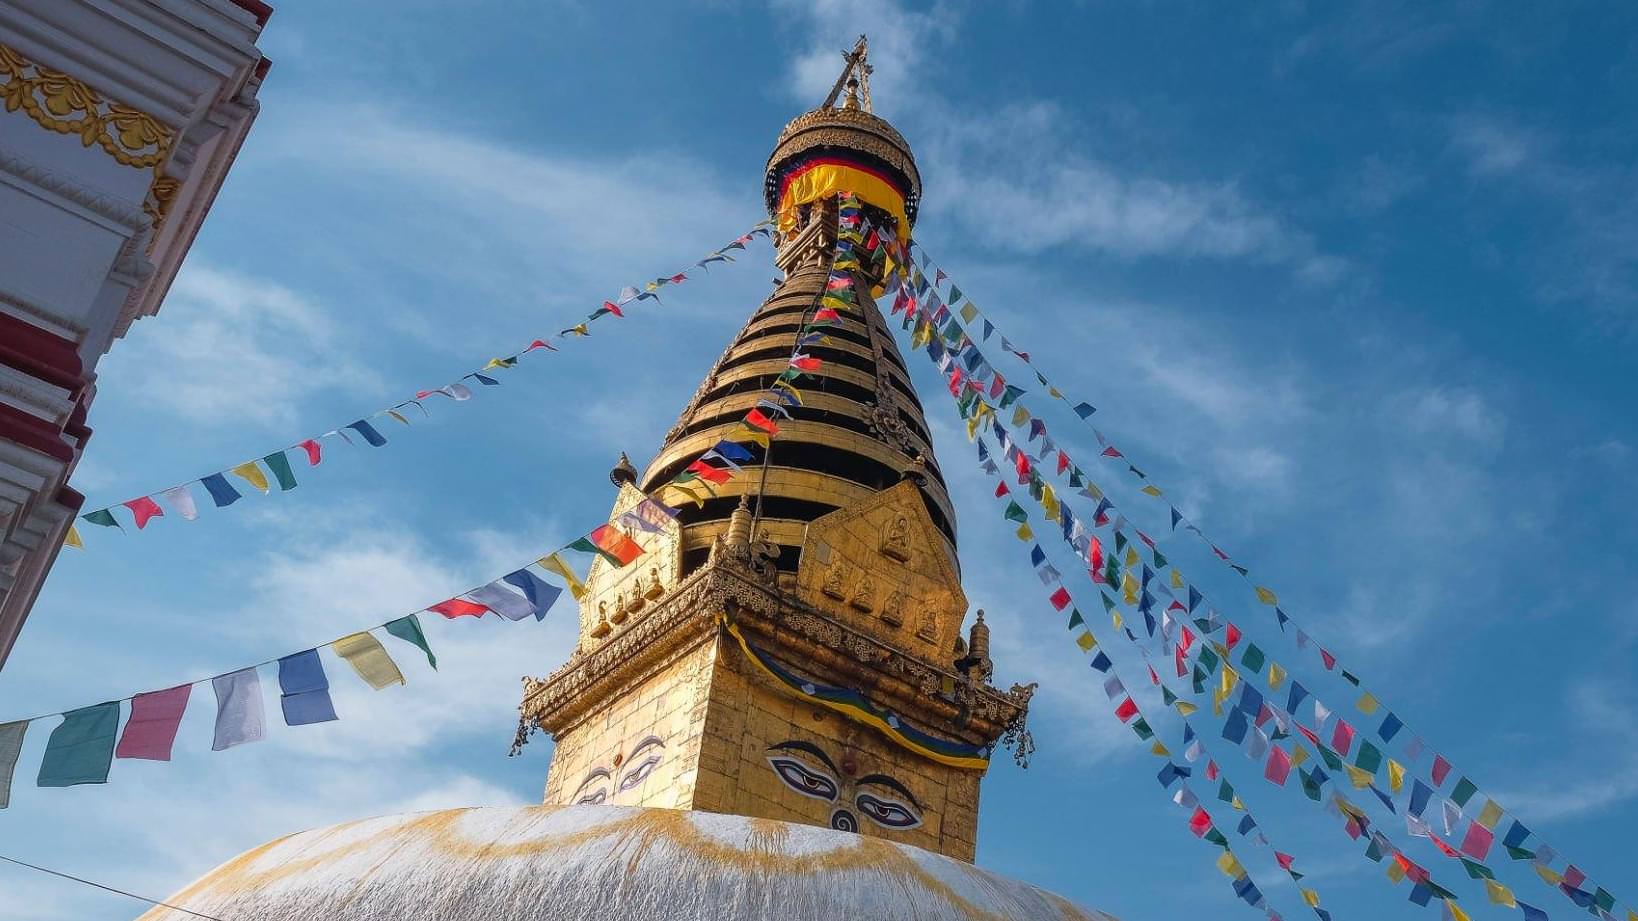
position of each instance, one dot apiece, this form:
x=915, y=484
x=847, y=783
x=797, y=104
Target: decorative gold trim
x=63, y=104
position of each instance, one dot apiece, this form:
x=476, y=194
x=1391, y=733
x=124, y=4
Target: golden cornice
x=847, y=128
x=61, y=103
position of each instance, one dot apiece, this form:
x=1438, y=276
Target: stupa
x=774, y=713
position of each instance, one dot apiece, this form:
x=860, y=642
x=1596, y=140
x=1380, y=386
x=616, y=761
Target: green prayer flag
x=955, y=294
x=1141, y=727
x=1215, y=837
x=1199, y=680
x=408, y=629
x=1464, y=791
x=1108, y=603
x=1120, y=542
x=1075, y=618
x=1252, y=658
x=584, y=545
x=1310, y=787
x=1369, y=758
x=1519, y=853
x=1331, y=759
x=101, y=516
x=1225, y=792
x=1476, y=870
x=1350, y=677
x=1160, y=561
x=1208, y=659
x=1010, y=395
x=280, y=465
x=1015, y=512
x=81, y=747
x=1167, y=696
x=1075, y=479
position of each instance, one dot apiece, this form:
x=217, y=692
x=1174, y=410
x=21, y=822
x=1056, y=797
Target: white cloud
x=1490, y=146
x=234, y=347
x=1456, y=411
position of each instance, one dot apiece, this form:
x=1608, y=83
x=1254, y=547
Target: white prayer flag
x=503, y=601
x=239, y=717
x=181, y=500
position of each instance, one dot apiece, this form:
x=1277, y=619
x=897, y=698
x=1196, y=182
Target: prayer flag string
x=223, y=492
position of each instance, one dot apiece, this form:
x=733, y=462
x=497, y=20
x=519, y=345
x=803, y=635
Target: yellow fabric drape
x=555, y=564
x=367, y=657
x=827, y=179
x=251, y=474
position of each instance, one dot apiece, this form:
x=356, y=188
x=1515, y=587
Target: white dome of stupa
x=608, y=863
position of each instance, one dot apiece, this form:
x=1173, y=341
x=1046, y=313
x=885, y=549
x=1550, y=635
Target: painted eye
x=594, y=798
x=888, y=813
x=639, y=773
x=803, y=779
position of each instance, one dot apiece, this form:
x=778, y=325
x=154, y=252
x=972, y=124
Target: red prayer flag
x=1476, y=843
x=1278, y=769
x=1573, y=877
x=678, y=278
x=314, y=452
x=1444, y=848
x=956, y=378
x=459, y=607
x=1309, y=733
x=1343, y=737
x=613, y=308
x=805, y=363
x=1154, y=679
x=1200, y=822
x=1021, y=461
x=1126, y=710
x=1182, y=666
x=997, y=385
x=826, y=315
x=708, y=472
x=1001, y=489
x=1441, y=770
x=613, y=541
x=1233, y=636
x=1063, y=462
x=1211, y=770
x=1060, y=598
x=1096, y=556
x=540, y=344
x=151, y=729
x=1330, y=660
x=1284, y=860
x=144, y=509
x=756, y=419
x=1112, y=452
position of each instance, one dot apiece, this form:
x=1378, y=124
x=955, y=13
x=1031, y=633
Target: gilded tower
x=792, y=649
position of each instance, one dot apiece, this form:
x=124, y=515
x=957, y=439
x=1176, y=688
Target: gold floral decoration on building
x=66, y=105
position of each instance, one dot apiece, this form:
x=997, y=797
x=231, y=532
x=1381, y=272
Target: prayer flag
x=11, y=745
x=81, y=747
x=144, y=509
x=459, y=607
x=1463, y=792
x=615, y=545
x=280, y=465
x=151, y=729
x=363, y=427
x=1390, y=727
x=1367, y=704
x=314, y=452
x=252, y=474
x=1396, y=775
x=102, y=517
x=1266, y=596
x=1278, y=767
x=238, y=709
x=304, y=692
x=555, y=564
x=71, y=539
x=1343, y=737
x=707, y=472
x=1060, y=598
x=540, y=593
x=181, y=500
x=1199, y=822
x=502, y=601
x=221, y=491
x=1476, y=843
x=756, y=419
x=1490, y=814
x=1126, y=710
x=1441, y=769
x=408, y=629
x=369, y=659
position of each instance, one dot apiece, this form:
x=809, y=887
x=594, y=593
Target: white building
x=118, y=122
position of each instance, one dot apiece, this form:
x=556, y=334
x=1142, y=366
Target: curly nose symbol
x=842, y=820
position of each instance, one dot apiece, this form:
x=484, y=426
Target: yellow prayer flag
x=1230, y=865
x=252, y=474
x=1395, y=871
x=1367, y=704
x=1151, y=490
x=1024, y=533
x=497, y=363
x=1360, y=777
x=1298, y=755
x=1114, y=618
x=1311, y=897
x=1132, y=556
x=1049, y=503
x=1177, y=578
x=1020, y=415
x=749, y=433
x=1490, y=815
x=1229, y=679
x=1266, y=596
x=1456, y=913
x=1086, y=641
x=1054, y=392
x=1184, y=708
x=1129, y=589
x=972, y=426
x=367, y=657
x=969, y=313
x=396, y=415
x=555, y=564
x=1548, y=874
x=692, y=496
x=73, y=539
x=1159, y=750
x=1500, y=894
x=1091, y=489
x=1396, y=775
x=1237, y=804
x=1276, y=676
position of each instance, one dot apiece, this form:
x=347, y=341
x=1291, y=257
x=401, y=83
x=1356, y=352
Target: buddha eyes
x=595, y=798
x=639, y=773
x=802, y=779
x=888, y=813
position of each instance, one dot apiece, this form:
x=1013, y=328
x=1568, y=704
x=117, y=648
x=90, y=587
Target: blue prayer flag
x=1390, y=727
x=372, y=436
x=221, y=491
x=1422, y=893
x=1101, y=662
x=1234, y=729
x=1037, y=556
x=540, y=593
x=1251, y=699
x=1084, y=409
x=1194, y=598
x=1420, y=794
x=1532, y=913
x=1298, y=693
x=484, y=379
x=1247, y=823
x=304, y=691
x=733, y=451
x=1516, y=833
x=81, y=747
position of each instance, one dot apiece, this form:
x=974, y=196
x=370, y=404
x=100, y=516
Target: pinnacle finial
x=855, y=77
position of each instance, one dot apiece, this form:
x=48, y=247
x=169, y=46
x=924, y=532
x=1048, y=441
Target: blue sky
x=1356, y=284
